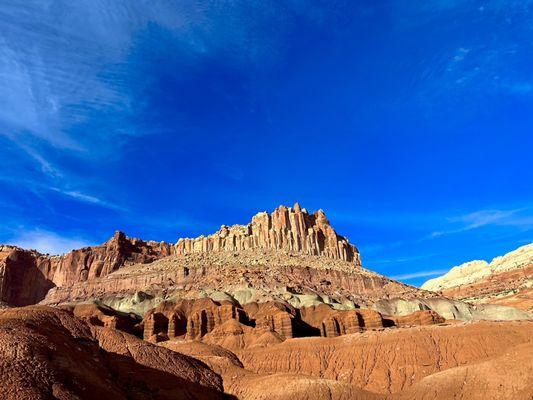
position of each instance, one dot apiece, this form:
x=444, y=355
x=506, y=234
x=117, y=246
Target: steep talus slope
x=48, y=353
x=506, y=280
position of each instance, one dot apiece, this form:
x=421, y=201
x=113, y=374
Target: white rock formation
x=474, y=271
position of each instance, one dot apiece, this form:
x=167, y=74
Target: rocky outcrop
x=98, y=261
x=101, y=315
x=352, y=321
x=290, y=229
x=419, y=318
x=506, y=280
x=475, y=271
x=190, y=319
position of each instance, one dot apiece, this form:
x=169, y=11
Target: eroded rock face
x=291, y=229
x=101, y=315
x=235, y=327
x=93, y=262
x=50, y=353
x=450, y=309
x=481, y=360
x=419, y=318
x=248, y=385
x=507, y=376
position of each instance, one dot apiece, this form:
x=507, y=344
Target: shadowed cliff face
x=23, y=276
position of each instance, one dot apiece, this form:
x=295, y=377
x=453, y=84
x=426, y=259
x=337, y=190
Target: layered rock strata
x=391, y=361
x=290, y=229
x=247, y=276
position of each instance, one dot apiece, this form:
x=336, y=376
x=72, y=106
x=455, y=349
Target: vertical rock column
x=288, y=229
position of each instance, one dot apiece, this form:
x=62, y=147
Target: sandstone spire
x=290, y=229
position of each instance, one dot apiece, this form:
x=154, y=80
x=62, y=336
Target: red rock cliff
x=26, y=275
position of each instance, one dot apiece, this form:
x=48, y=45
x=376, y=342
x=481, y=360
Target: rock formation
x=247, y=276
x=290, y=229
x=450, y=309
x=98, y=261
x=101, y=315
x=419, y=318
x=24, y=276
x=27, y=275
x=506, y=280
x=235, y=327
x=278, y=309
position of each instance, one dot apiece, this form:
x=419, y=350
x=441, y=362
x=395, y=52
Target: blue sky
x=409, y=123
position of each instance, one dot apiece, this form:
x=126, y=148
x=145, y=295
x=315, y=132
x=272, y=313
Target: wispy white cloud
x=47, y=242
x=62, y=62
x=39, y=188
x=518, y=218
x=68, y=69
x=420, y=274
x=481, y=218
x=87, y=198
